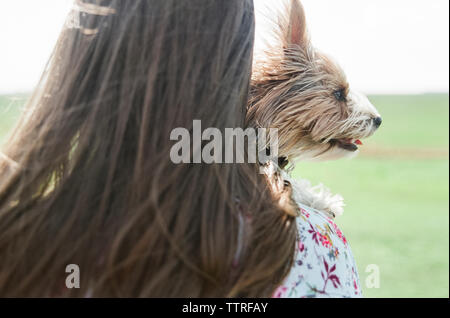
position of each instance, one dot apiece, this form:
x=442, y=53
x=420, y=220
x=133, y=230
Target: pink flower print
x=355, y=285
x=338, y=232
x=280, y=291
x=341, y=236
x=330, y=276
x=335, y=281
x=344, y=240
x=316, y=236
x=331, y=222
x=301, y=246
x=304, y=212
x=325, y=241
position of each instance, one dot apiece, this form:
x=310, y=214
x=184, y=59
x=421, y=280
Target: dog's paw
x=335, y=205
x=327, y=201
x=318, y=197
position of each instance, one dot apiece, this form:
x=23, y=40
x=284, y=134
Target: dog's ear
x=295, y=32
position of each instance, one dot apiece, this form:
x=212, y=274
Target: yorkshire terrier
x=305, y=95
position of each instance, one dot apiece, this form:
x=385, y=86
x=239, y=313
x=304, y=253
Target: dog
x=304, y=94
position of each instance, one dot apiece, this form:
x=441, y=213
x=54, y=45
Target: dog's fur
x=305, y=95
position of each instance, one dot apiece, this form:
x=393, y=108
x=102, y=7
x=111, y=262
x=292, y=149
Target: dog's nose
x=377, y=121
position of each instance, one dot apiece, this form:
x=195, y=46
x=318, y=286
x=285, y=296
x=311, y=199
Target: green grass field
x=396, y=194
x=10, y=110
x=397, y=197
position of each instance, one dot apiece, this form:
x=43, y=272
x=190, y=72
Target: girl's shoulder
x=324, y=263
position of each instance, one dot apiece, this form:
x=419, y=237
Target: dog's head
x=305, y=95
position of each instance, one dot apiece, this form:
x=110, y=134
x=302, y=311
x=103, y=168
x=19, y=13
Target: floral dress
x=324, y=264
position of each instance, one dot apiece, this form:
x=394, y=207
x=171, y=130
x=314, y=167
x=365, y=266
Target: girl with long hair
x=86, y=176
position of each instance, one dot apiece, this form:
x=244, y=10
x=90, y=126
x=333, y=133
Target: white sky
x=385, y=46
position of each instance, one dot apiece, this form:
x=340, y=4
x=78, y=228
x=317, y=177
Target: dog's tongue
x=351, y=141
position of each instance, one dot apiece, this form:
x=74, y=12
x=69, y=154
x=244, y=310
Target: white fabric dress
x=324, y=264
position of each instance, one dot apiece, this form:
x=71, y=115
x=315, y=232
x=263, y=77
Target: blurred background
x=397, y=189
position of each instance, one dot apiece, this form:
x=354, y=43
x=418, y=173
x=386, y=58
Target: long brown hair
x=89, y=180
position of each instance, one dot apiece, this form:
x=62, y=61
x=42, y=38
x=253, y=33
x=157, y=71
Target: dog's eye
x=340, y=95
